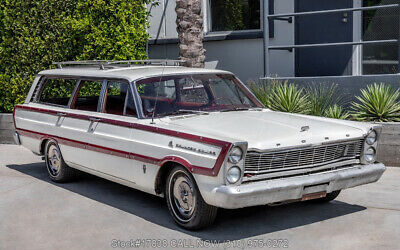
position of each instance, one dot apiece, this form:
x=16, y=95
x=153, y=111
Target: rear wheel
x=185, y=203
x=57, y=169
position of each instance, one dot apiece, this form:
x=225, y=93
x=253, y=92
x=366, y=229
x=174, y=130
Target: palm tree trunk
x=190, y=32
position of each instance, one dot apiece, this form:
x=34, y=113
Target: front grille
x=300, y=161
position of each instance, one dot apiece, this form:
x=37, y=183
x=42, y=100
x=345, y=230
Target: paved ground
x=90, y=213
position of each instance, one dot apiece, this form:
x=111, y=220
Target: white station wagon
x=197, y=137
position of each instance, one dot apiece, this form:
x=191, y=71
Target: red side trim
x=225, y=146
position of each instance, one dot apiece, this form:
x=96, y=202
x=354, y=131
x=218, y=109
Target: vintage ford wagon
x=197, y=137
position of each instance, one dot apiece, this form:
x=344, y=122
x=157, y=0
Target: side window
x=88, y=95
x=57, y=91
x=153, y=90
x=114, y=101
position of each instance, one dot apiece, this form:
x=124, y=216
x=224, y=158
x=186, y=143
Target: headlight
x=371, y=137
x=235, y=155
x=369, y=155
x=233, y=175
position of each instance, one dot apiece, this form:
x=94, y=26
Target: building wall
x=240, y=55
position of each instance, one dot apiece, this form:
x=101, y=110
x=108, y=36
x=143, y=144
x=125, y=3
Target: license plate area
x=313, y=196
x=314, y=191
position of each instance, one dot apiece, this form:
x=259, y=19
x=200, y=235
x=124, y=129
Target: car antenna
x=155, y=103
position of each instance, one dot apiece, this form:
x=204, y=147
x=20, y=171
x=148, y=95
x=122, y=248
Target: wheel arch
x=166, y=166
x=43, y=142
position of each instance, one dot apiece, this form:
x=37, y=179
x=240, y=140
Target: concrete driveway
x=93, y=213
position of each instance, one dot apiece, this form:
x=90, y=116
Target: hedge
x=35, y=33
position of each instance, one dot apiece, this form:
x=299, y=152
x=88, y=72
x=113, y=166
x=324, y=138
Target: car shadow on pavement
x=230, y=224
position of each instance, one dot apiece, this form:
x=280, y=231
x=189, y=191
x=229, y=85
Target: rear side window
x=115, y=98
x=57, y=91
x=88, y=95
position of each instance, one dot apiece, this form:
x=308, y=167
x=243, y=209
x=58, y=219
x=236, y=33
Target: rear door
x=109, y=144
x=79, y=122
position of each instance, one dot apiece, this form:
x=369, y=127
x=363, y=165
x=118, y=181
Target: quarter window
x=88, y=96
x=57, y=91
x=230, y=15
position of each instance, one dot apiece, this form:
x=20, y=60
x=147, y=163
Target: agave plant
x=337, y=112
x=379, y=102
x=322, y=97
x=288, y=97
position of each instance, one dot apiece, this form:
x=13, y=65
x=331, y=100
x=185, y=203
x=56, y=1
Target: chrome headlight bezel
x=233, y=174
x=371, y=138
x=235, y=155
x=370, y=155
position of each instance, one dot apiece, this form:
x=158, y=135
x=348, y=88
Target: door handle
x=61, y=114
x=94, y=119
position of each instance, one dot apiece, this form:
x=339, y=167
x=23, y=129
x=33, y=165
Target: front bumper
x=280, y=190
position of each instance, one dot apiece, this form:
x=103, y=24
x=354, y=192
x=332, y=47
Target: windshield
x=193, y=93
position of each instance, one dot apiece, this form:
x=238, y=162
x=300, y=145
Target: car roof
x=129, y=73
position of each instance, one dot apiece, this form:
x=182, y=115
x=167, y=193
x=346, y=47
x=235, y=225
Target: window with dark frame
x=382, y=24
x=57, y=91
x=87, y=96
x=234, y=15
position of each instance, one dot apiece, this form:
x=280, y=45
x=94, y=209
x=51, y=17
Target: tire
x=185, y=203
x=57, y=169
x=329, y=197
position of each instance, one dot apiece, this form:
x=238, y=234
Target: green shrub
x=288, y=97
x=379, y=102
x=322, y=97
x=262, y=90
x=33, y=34
x=336, y=112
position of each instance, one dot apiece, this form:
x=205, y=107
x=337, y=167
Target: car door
x=109, y=143
x=76, y=125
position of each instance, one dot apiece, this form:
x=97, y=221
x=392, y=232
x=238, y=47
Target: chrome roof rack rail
x=125, y=63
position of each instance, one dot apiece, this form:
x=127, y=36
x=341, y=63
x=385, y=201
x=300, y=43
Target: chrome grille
x=304, y=159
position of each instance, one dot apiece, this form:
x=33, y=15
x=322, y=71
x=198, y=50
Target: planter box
x=389, y=144
x=6, y=129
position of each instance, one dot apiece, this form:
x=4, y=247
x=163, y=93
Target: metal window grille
x=268, y=17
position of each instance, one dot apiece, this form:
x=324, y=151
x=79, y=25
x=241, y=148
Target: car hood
x=266, y=129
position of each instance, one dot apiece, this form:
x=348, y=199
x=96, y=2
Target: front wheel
x=185, y=203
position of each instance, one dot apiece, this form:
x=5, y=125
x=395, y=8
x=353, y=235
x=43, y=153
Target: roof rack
x=127, y=63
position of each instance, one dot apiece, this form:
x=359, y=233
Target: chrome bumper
x=17, y=140
x=280, y=190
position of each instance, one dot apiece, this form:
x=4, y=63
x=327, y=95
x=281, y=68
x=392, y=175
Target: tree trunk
x=190, y=32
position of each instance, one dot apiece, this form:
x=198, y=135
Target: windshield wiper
x=235, y=109
x=183, y=111
x=200, y=112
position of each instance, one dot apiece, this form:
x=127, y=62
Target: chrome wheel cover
x=182, y=196
x=53, y=160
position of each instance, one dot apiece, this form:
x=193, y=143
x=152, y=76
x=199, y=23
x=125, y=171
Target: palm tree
x=189, y=22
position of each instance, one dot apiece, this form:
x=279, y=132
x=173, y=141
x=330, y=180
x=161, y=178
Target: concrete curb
x=6, y=129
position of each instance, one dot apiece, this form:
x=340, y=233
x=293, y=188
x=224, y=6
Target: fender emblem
x=304, y=128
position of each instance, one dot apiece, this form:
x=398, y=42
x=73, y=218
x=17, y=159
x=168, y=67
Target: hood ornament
x=304, y=128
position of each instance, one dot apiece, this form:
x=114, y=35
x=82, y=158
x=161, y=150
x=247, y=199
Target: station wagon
x=197, y=137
